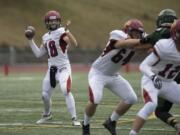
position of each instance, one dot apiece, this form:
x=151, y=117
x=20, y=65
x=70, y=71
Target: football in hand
x=30, y=32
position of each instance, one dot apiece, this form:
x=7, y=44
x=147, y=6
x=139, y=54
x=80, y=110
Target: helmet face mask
x=135, y=34
x=52, y=20
x=165, y=18
x=134, y=28
x=52, y=24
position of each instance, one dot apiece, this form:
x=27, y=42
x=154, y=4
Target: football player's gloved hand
x=156, y=81
x=144, y=40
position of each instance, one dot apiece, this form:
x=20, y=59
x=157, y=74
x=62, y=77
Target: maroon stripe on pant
x=68, y=84
x=91, y=96
x=146, y=96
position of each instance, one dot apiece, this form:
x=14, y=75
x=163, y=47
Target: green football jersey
x=160, y=33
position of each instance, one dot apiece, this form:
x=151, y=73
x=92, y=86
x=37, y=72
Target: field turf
x=21, y=106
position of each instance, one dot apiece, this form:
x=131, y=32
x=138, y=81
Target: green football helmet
x=165, y=18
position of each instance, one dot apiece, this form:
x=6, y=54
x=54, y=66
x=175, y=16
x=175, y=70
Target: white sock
x=71, y=105
x=132, y=132
x=114, y=116
x=86, y=119
x=47, y=106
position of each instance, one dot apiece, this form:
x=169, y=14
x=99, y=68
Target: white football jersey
x=169, y=64
x=56, y=47
x=111, y=59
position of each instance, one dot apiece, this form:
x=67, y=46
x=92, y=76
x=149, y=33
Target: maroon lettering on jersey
x=169, y=71
x=52, y=48
x=109, y=47
x=163, y=73
x=120, y=56
x=63, y=43
x=173, y=72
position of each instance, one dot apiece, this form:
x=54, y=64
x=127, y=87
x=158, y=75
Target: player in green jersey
x=164, y=20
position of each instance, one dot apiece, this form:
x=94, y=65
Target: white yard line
x=60, y=124
x=54, y=110
x=24, y=78
x=20, y=110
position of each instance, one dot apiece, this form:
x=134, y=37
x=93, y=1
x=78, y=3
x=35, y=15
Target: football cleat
x=85, y=129
x=44, y=119
x=110, y=126
x=75, y=122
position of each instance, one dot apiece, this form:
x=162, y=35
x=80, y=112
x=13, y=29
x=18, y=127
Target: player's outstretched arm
x=127, y=43
x=72, y=38
x=70, y=35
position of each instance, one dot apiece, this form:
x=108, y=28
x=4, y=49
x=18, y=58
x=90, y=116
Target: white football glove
x=156, y=81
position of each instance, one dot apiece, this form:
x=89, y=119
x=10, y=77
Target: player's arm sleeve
x=38, y=52
x=152, y=38
x=127, y=43
x=122, y=40
x=149, y=61
x=72, y=39
x=116, y=35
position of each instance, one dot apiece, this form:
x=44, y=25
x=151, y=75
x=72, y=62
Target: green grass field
x=21, y=107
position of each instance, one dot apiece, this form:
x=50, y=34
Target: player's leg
x=163, y=108
x=96, y=85
x=46, y=97
x=150, y=98
x=90, y=110
x=64, y=78
x=120, y=87
x=177, y=126
x=162, y=112
x=171, y=93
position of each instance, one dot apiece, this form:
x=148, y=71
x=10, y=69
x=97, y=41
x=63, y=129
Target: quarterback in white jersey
x=105, y=73
x=55, y=44
x=56, y=47
x=159, y=69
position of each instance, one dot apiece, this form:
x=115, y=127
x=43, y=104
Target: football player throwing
x=55, y=43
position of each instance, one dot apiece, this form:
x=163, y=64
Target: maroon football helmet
x=175, y=31
x=134, y=26
x=52, y=20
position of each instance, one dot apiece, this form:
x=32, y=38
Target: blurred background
x=21, y=73
x=92, y=20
